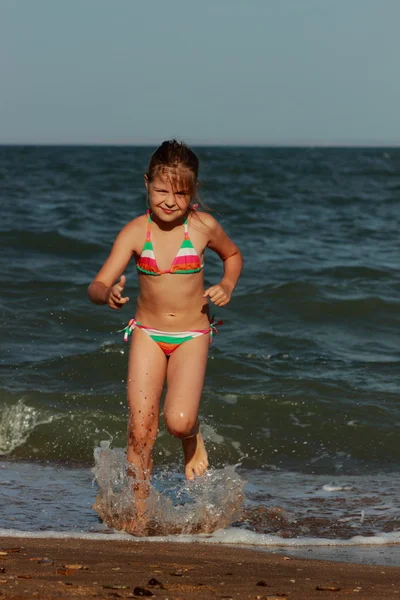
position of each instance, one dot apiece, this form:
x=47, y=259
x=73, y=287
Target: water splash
x=174, y=506
x=17, y=422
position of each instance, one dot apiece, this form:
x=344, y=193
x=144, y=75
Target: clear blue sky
x=206, y=71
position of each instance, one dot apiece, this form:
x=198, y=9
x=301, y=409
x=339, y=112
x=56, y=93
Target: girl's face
x=169, y=198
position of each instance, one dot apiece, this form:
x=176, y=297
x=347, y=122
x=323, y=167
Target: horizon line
x=211, y=144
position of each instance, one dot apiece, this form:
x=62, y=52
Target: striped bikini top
x=185, y=262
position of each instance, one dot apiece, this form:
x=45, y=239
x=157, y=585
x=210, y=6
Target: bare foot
x=140, y=492
x=196, y=462
x=138, y=526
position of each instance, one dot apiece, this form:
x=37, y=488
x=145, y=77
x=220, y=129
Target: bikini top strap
x=185, y=224
x=148, y=225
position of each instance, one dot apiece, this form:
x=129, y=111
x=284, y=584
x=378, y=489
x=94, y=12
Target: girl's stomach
x=172, y=302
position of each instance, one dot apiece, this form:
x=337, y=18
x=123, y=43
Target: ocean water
x=301, y=405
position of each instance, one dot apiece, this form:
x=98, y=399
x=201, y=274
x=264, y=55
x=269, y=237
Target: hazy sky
x=206, y=71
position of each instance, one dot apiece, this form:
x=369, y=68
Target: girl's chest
x=168, y=247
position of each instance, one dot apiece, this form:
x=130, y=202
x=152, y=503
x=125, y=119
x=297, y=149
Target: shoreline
x=385, y=553
x=64, y=568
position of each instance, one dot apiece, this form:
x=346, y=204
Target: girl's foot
x=140, y=493
x=138, y=526
x=196, y=461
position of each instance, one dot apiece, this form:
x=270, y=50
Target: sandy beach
x=60, y=568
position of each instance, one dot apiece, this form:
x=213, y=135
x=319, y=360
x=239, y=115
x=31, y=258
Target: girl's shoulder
x=133, y=233
x=203, y=221
x=136, y=225
x=205, y=224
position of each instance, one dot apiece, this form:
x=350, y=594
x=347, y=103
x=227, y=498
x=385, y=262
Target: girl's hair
x=178, y=163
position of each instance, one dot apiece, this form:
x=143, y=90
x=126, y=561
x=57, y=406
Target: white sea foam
x=230, y=398
x=17, y=422
x=231, y=536
x=332, y=487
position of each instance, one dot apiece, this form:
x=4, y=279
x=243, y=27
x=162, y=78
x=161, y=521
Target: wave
x=312, y=301
x=287, y=429
x=47, y=241
x=346, y=272
x=18, y=422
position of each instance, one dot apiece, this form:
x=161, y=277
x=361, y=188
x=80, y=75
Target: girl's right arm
x=104, y=289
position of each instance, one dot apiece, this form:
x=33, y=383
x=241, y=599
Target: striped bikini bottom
x=169, y=341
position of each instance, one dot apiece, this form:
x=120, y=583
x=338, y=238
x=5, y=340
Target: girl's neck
x=168, y=226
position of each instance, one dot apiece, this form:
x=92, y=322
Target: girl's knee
x=180, y=425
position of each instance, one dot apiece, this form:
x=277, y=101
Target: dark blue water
x=303, y=379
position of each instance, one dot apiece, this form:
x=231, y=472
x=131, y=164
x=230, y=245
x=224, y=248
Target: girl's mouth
x=168, y=211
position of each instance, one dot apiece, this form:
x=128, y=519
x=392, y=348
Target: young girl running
x=172, y=329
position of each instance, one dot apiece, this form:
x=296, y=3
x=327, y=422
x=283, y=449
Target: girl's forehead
x=162, y=180
x=172, y=182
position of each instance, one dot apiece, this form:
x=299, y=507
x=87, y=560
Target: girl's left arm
x=220, y=294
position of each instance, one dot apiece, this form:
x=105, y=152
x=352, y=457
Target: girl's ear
x=146, y=181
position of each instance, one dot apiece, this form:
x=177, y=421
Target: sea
x=301, y=403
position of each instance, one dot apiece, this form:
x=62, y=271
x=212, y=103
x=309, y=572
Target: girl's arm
x=103, y=289
x=232, y=259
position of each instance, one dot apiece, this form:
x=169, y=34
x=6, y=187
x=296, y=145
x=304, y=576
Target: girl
x=171, y=331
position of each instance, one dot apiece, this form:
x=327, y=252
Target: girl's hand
x=219, y=294
x=114, y=299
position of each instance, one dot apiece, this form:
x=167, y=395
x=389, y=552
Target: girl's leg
x=146, y=375
x=185, y=377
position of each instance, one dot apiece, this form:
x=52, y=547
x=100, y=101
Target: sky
x=248, y=72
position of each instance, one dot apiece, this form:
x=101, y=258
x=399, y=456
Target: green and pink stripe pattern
x=185, y=262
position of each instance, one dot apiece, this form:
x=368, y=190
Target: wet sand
x=76, y=568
